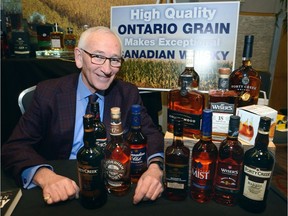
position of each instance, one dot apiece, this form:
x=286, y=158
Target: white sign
x=165, y=31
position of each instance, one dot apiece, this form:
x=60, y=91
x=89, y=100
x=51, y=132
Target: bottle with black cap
x=245, y=80
x=257, y=171
x=177, y=165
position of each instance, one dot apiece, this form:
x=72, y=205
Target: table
x=31, y=202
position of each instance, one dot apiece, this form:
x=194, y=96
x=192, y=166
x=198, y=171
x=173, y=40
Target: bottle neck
x=223, y=81
x=262, y=140
x=88, y=138
x=136, y=121
x=246, y=62
x=178, y=140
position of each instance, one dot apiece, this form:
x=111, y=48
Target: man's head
x=98, y=54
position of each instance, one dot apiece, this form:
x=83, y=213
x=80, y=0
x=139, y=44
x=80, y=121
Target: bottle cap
x=225, y=71
x=115, y=112
x=264, y=124
x=248, y=46
x=207, y=122
x=135, y=108
x=178, y=126
x=234, y=123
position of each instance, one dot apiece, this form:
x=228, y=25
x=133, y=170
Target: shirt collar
x=84, y=92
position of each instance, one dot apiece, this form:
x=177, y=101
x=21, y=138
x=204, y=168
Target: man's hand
x=149, y=186
x=55, y=187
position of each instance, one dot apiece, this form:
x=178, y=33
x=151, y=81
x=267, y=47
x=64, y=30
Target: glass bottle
x=187, y=103
x=138, y=145
x=117, y=158
x=245, y=80
x=229, y=166
x=203, y=165
x=99, y=128
x=69, y=40
x=257, y=172
x=177, y=165
x=56, y=38
x=93, y=193
x=223, y=103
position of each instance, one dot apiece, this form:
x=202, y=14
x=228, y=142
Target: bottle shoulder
x=259, y=157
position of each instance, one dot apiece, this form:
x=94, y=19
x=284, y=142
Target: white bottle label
x=255, y=183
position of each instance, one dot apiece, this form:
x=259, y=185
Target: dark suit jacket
x=46, y=130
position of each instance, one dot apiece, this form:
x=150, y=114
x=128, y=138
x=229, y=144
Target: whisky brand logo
x=257, y=172
x=222, y=107
x=115, y=170
x=245, y=80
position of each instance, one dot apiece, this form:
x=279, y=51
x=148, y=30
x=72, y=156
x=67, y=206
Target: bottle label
x=176, y=176
x=202, y=174
x=228, y=176
x=114, y=169
x=223, y=83
x=102, y=143
x=255, y=182
x=55, y=43
x=222, y=107
x=191, y=121
x=138, y=159
x=220, y=122
x=88, y=177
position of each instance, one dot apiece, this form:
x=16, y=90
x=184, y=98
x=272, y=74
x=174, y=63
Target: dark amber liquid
x=248, y=93
x=204, y=157
x=228, y=173
x=178, y=159
x=192, y=103
x=93, y=193
x=119, y=152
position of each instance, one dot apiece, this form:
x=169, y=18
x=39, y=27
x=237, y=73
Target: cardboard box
x=249, y=121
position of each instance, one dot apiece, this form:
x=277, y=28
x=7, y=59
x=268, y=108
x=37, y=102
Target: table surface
x=32, y=203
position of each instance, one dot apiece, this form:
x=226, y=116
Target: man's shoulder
x=68, y=80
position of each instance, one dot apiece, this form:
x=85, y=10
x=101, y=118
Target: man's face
x=98, y=77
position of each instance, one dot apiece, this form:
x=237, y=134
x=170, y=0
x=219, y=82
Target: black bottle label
x=176, y=176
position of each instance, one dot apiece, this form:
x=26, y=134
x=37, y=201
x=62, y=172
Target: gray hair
x=103, y=29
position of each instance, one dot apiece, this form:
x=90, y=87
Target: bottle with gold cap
x=117, y=158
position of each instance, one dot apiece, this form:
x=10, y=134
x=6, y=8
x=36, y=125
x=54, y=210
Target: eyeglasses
x=100, y=60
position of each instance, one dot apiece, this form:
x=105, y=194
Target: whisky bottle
x=56, y=38
x=257, y=172
x=245, y=80
x=223, y=103
x=177, y=165
x=93, y=193
x=229, y=166
x=117, y=158
x=138, y=145
x=203, y=165
x=69, y=40
x=187, y=103
x=99, y=128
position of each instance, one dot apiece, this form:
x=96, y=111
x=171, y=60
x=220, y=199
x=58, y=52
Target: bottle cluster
x=238, y=88
x=226, y=174
x=109, y=166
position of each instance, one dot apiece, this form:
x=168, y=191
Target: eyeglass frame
x=93, y=55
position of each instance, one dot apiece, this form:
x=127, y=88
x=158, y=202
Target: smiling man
x=52, y=128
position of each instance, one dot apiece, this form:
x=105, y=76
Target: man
x=52, y=129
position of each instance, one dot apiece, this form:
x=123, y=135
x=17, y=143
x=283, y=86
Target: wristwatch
x=159, y=163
